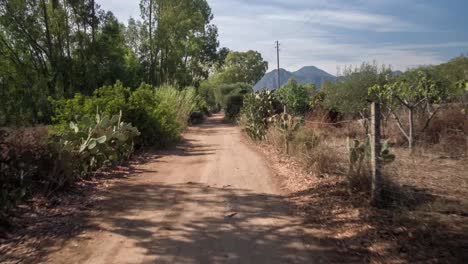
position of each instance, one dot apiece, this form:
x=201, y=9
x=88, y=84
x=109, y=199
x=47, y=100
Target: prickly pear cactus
x=287, y=125
x=91, y=144
x=360, y=152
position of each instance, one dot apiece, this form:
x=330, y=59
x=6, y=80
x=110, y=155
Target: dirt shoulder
x=211, y=199
x=416, y=231
x=218, y=198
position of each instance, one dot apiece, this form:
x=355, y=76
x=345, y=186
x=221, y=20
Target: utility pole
x=278, y=63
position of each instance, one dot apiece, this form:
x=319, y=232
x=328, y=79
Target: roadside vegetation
x=81, y=91
x=424, y=151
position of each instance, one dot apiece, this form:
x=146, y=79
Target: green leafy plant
x=418, y=89
x=360, y=153
x=161, y=114
x=76, y=153
x=287, y=125
x=258, y=108
x=295, y=96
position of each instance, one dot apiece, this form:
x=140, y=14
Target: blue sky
x=333, y=33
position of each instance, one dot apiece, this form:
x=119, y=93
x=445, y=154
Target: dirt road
x=212, y=200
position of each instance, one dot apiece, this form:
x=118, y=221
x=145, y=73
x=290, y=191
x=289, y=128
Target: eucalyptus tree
x=180, y=43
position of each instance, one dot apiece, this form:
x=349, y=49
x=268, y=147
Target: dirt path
x=213, y=200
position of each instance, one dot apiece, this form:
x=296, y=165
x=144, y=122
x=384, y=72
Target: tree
x=57, y=48
x=295, y=96
x=243, y=67
x=349, y=94
x=179, y=43
x=415, y=89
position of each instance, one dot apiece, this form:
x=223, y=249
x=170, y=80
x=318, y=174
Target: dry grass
x=319, y=157
x=425, y=192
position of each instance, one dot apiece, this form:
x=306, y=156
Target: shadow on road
x=182, y=223
x=255, y=227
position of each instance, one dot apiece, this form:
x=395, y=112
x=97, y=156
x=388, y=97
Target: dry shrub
x=352, y=129
x=361, y=182
x=315, y=154
x=322, y=160
x=21, y=153
x=390, y=130
x=24, y=145
x=275, y=139
x=329, y=124
x=447, y=132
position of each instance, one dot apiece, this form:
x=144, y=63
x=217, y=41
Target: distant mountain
x=397, y=73
x=309, y=74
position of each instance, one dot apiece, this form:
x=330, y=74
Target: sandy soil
x=211, y=200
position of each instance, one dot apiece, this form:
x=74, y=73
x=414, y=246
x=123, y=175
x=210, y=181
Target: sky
x=331, y=34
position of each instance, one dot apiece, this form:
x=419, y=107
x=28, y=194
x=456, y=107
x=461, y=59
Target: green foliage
x=295, y=96
x=412, y=89
x=234, y=105
x=287, y=125
x=258, y=108
x=109, y=99
x=227, y=90
x=176, y=41
x=415, y=90
x=360, y=153
x=87, y=146
x=231, y=97
x=453, y=72
x=349, y=94
x=210, y=93
x=57, y=49
x=162, y=113
x=242, y=67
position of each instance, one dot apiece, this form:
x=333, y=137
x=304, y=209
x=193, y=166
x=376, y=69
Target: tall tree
x=247, y=67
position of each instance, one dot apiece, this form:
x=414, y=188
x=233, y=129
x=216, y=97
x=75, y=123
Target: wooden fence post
x=376, y=198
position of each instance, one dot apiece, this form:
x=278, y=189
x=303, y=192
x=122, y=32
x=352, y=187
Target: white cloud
x=122, y=9
x=321, y=32
x=347, y=19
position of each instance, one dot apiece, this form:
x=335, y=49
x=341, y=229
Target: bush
x=295, y=96
x=349, y=94
x=313, y=153
x=160, y=113
x=82, y=141
x=257, y=109
x=234, y=104
x=76, y=153
x=210, y=94
x=287, y=125
x=108, y=100
x=21, y=153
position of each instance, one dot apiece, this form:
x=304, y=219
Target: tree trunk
x=151, y=69
x=376, y=199
x=93, y=22
x=411, y=129
x=49, y=44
